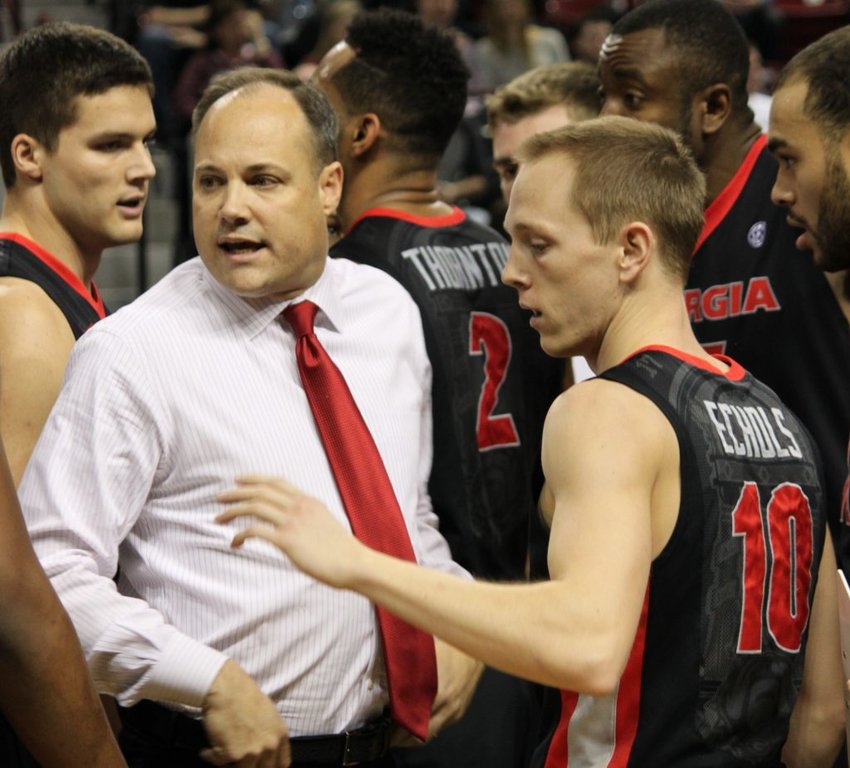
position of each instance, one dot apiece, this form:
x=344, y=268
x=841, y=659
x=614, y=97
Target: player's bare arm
x=46, y=692
x=817, y=723
x=604, y=449
x=35, y=342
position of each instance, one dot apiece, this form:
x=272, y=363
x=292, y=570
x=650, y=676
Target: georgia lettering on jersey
x=728, y=300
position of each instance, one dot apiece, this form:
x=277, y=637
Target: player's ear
x=28, y=154
x=366, y=129
x=636, y=241
x=715, y=107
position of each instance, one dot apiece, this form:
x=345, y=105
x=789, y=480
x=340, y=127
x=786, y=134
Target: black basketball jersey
x=20, y=257
x=717, y=660
x=492, y=382
x=754, y=296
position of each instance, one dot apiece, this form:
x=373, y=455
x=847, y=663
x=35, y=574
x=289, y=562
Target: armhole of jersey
x=623, y=374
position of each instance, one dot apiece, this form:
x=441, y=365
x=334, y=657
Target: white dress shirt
x=164, y=403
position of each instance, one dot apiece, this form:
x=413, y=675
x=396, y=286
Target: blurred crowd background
x=188, y=41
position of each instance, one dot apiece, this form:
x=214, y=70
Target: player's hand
x=243, y=725
x=457, y=678
x=299, y=525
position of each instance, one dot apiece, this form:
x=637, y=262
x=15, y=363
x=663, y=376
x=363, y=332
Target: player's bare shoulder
x=605, y=410
x=602, y=434
x=30, y=320
x=35, y=342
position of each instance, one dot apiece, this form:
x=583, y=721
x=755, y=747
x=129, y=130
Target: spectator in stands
x=334, y=18
x=590, y=32
x=442, y=14
x=758, y=87
x=235, y=38
x=167, y=34
x=514, y=43
x=760, y=21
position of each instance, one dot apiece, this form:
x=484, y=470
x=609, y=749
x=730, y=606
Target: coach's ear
x=330, y=187
x=27, y=155
x=366, y=129
x=637, y=243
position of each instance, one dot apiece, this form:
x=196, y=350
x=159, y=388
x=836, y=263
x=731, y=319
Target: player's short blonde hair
x=573, y=84
x=627, y=170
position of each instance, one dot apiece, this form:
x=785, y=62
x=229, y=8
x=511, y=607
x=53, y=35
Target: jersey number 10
x=786, y=528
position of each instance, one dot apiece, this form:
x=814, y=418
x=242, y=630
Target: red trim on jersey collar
x=436, y=222
x=734, y=373
x=722, y=204
x=60, y=268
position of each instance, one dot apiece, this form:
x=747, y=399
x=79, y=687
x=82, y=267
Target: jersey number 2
x=787, y=580
x=488, y=335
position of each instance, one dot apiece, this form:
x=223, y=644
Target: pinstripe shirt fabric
x=164, y=403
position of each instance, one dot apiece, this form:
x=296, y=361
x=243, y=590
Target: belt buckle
x=347, y=757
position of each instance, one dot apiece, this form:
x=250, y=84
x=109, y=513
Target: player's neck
x=657, y=319
x=385, y=185
x=723, y=156
x=840, y=284
x=37, y=223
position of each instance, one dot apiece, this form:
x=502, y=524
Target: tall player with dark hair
x=750, y=293
x=680, y=616
x=74, y=126
x=74, y=131
x=810, y=136
x=399, y=90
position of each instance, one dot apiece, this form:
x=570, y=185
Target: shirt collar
x=255, y=315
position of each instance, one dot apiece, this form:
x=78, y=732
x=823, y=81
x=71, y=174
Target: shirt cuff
x=184, y=672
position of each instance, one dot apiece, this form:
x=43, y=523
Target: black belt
x=361, y=745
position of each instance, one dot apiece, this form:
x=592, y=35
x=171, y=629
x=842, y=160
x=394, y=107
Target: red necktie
x=373, y=512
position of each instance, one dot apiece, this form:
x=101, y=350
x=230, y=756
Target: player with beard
x=750, y=292
x=810, y=137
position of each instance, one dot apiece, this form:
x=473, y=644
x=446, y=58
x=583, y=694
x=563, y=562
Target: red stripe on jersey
x=734, y=372
x=722, y=204
x=61, y=269
x=449, y=220
x=628, y=694
x=626, y=708
x=557, y=755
